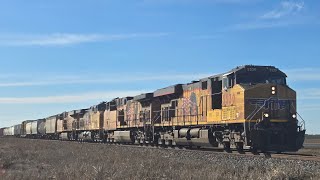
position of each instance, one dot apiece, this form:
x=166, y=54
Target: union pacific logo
x=272, y=104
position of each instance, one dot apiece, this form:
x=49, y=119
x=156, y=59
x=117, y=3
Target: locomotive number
x=229, y=99
x=273, y=70
x=251, y=69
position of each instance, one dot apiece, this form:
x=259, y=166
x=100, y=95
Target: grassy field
x=39, y=159
x=312, y=139
x=312, y=145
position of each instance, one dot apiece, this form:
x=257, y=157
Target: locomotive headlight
x=294, y=116
x=274, y=90
x=266, y=115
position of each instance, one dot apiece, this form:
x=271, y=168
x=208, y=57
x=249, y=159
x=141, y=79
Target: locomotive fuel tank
x=123, y=136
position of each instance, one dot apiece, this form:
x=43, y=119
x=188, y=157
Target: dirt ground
x=41, y=159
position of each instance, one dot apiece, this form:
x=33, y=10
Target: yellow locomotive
x=249, y=107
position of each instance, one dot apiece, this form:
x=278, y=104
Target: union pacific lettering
x=273, y=104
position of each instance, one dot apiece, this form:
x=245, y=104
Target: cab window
x=228, y=81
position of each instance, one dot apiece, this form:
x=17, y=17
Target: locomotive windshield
x=258, y=76
x=256, y=79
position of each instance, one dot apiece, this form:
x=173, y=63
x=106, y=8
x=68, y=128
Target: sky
x=62, y=55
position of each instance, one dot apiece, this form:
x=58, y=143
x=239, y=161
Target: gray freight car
x=17, y=130
x=25, y=128
x=9, y=131
x=29, y=129
x=1, y=132
x=51, y=127
x=41, y=128
x=36, y=128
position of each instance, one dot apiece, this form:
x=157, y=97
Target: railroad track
x=292, y=156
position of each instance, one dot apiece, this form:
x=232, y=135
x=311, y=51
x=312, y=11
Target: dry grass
x=312, y=145
x=38, y=159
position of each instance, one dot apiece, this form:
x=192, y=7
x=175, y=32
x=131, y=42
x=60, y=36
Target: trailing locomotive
x=249, y=107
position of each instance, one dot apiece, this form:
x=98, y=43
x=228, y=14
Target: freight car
x=8, y=131
x=1, y=132
x=24, y=128
x=17, y=130
x=249, y=107
x=29, y=129
x=40, y=131
x=51, y=124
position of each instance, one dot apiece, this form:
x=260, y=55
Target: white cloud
x=303, y=74
x=308, y=107
x=75, y=98
x=58, y=39
x=105, y=78
x=287, y=13
x=262, y=25
x=197, y=1
x=308, y=94
x=286, y=8
x=207, y=37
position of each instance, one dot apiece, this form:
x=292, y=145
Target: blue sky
x=63, y=55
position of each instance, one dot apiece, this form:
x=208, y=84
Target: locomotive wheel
x=254, y=151
x=239, y=147
x=227, y=147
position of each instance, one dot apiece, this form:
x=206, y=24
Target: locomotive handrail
x=302, y=124
x=264, y=104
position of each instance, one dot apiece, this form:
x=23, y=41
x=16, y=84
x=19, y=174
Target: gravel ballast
x=41, y=159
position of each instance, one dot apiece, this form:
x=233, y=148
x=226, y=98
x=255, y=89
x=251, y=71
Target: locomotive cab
x=270, y=115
